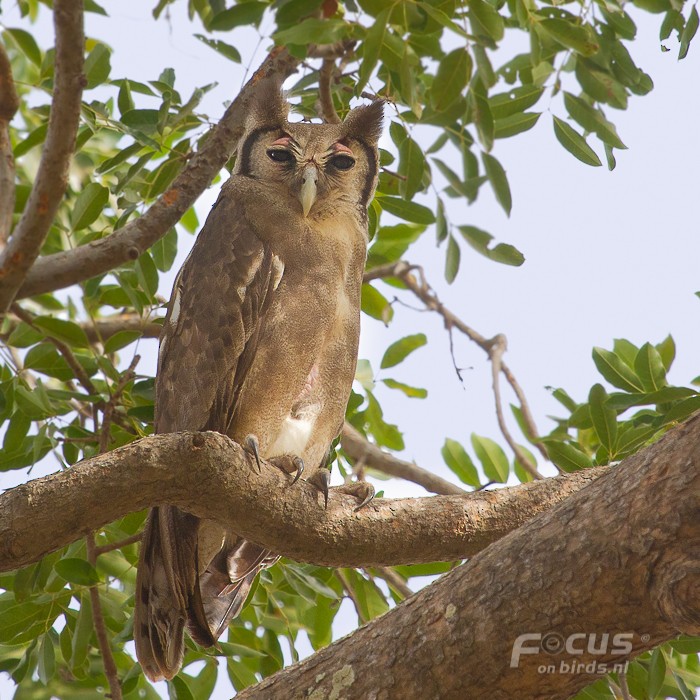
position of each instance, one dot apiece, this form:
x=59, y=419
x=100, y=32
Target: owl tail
x=172, y=595
x=167, y=591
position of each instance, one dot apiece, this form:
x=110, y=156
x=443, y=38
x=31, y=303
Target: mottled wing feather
x=218, y=301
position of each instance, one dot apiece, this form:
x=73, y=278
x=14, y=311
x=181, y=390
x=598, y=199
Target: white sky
x=607, y=254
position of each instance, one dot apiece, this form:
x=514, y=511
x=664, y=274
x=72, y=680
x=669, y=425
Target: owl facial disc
x=307, y=194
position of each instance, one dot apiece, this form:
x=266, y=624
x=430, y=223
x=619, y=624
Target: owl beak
x=307, y=195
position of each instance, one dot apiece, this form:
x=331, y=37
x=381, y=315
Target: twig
x=358, y=448
x=9, y=103
x=403, y=271
x=498, y=347
x=326, y=108
x=395, y=581
x=111, y=546
x=78, y=370
x=351, y=594
x=115, y=687
x=110, y=406
x=52, y=177
x=69, y=267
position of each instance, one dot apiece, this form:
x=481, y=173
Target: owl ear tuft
x=366, y=123
x=268, y=107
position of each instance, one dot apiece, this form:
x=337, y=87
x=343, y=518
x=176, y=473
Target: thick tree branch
x=52, y=178
x=359, y=449
x=210, y=476
x=620, y=557
x=9, y=104
x=326, y=108
x=69, y=267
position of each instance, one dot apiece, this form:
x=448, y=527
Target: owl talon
x=362, y=490
x=321, y=480
x=299, y=464
x=251, y=445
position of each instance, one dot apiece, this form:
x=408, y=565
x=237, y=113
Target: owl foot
x=290, y=465
x=362, y=490
x=321, y=480
x=251, y=446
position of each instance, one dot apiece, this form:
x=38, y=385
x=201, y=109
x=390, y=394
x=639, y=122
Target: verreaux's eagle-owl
x=260, y=344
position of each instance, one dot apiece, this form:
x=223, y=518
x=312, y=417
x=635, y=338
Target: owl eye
x=280, y=155
x=342, y=162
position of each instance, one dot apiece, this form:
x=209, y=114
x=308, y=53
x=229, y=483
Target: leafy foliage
x=66, y=393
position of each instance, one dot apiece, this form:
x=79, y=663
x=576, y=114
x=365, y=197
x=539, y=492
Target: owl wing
x=219, y=299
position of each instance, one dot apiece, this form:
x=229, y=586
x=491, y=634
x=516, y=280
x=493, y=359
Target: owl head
x=317, y=164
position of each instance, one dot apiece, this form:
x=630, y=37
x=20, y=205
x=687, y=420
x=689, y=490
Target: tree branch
x=210, y=476
x=69, y=267
x=52, y=178
x=326, y=108
x=9, y=104
x=358, y=448
x=632, y=565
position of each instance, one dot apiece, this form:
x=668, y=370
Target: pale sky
x=608, y=254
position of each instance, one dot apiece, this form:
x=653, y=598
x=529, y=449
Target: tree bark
x=210, y=476
x=620, y=557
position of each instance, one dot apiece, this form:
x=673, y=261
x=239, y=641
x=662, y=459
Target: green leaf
x=385, y=434
x=574, y=143
x=667, y=351
x=515, y=124
x=47, y=659
x=120, y=340
x=77, y=571
x=499, y=181
x=245, y=13
x=649, y=367
x=691, y=27
x=412, y=392
x=374, y=304
x=409, y=211
x=492, y=457
x=566, y=456
x=457, y=459
x=45, y=358
x=66, y=331
x=485, y=19
x=442, y=228
x=365, y=375
x=89, y=205
x=452, y=259
x=592, y=120
x=601, y=86
x=515, y=101
x=657, y=673
x=580, y=39
x=97, y=66
x=397, y=352
x=616, y=371
x=604, y=418
x=451, y=79
x=226, y=50
x=141, y=120
x=502, y=253
x=371, y=48
x=609, y=157
x=27, y=44
x=312, y=30
x=442, y=18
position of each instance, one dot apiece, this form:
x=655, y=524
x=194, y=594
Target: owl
x=259, y=343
